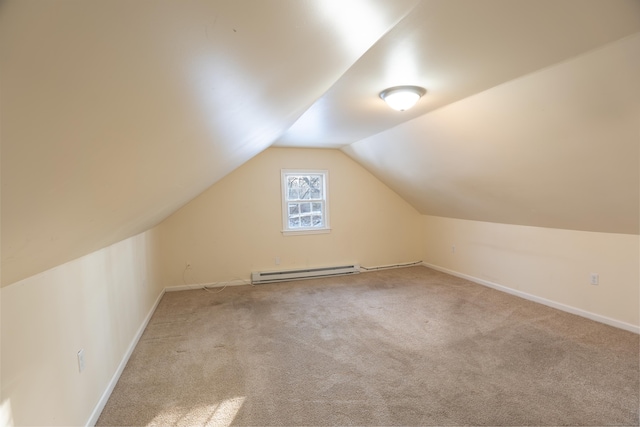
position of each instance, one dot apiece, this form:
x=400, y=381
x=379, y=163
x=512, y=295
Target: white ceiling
x=558, y=148
x=114, y=114
x=454, y=49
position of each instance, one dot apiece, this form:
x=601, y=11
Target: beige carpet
x=408, y=346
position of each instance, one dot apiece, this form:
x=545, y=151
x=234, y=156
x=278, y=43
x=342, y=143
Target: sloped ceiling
x=558, y=148
x=455, y=49
x=115, y=114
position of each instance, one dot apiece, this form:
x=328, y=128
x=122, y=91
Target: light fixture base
x=402, y=98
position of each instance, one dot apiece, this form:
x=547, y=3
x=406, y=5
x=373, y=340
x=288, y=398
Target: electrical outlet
x=453, y=249
x=81, y=360
x=595, y=278
x=187, y=265
x=277, y=260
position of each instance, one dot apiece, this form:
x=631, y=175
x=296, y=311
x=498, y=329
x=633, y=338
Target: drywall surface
x=548, y=263
x=235, y=227
x=96, y=303
x=115, y=114
x=558, y=148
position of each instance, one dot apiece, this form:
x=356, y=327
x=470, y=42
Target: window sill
x=306, y=231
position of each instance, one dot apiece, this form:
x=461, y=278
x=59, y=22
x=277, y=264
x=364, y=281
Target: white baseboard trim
x=563, y=307
x=116, y=376
x=93, y=419
x=238, y=282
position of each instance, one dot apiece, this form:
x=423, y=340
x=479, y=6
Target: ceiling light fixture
x=402, y=97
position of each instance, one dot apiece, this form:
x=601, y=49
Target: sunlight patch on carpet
x=6, y=418
x=219, y=414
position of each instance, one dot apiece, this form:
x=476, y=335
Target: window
x=304, y=201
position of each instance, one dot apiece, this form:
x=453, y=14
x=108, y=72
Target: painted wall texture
x=235, y=227
x=544, y=262
x=96, y=303
x=99, y=302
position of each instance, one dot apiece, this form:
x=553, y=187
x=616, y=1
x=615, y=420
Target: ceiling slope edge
x=134, y=123
x=557, y=148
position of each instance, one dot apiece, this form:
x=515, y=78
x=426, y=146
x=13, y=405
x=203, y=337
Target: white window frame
x=285, y=200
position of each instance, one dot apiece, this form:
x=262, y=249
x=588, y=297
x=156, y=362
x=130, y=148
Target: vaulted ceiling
x=114, y=114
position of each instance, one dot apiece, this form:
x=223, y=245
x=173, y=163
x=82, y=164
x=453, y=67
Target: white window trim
x=285, y=218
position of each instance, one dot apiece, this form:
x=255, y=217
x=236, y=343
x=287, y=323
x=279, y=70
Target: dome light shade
x=402, y=98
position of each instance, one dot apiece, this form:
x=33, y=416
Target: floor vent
x=307, y=273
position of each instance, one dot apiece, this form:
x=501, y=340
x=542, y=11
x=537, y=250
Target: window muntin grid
x=304, y=200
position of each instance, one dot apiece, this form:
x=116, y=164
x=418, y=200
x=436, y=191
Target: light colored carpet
x=407, y=346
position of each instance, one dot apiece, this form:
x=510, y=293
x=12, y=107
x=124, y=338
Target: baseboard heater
x=307, y=273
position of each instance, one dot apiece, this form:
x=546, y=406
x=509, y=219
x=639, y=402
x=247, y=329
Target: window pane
x=292, y=182
x=304, y=188
x=304, y=200
x=315, y=183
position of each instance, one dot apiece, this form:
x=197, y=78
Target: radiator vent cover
x=306, y=273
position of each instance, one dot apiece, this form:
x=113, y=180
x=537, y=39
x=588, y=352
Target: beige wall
x=235, y=226
x=545, y=263
x=101, y=301
x=96, y=303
